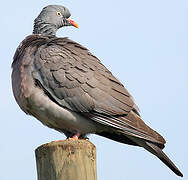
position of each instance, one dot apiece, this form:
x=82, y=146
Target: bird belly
x=57, y=117
x=33, y=101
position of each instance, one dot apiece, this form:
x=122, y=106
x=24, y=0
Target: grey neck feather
x=43, y=28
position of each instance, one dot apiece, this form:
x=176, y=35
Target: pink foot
x=75, y=137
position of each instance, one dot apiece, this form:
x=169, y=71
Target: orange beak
x=73, y=23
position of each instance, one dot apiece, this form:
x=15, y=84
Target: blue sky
x=144, y=43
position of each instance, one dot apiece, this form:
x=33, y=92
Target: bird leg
x=74, y=137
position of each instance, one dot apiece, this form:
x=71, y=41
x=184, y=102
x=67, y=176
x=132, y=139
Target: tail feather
x=157, y=151
x=154, y=149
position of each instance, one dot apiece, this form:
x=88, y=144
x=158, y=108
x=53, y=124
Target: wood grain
x=66, y=160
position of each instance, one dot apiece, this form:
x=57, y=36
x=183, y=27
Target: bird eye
x=58, y=13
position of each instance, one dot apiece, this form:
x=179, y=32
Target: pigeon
x=63, y=85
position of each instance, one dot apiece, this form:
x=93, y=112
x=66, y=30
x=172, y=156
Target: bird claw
x=73, y=138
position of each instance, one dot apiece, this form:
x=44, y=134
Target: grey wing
x=72, y=77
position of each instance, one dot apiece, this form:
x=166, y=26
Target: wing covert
x=78, y=80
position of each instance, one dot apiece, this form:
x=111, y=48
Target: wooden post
x=66, y=160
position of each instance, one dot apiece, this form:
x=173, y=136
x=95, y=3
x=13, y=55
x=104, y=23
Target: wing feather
x=78, y=81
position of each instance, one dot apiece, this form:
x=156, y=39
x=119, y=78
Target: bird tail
x=154, y=149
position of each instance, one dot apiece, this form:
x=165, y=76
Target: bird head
x=51, y=18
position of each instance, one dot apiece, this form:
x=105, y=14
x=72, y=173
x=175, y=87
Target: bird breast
x=32, y=99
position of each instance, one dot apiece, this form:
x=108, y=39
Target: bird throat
x=44, y=29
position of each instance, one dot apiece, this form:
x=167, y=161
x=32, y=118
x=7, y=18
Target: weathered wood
x=66, y=160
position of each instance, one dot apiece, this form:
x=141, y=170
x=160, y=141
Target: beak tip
x=73, y=23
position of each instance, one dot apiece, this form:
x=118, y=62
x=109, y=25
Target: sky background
x=144, y=43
